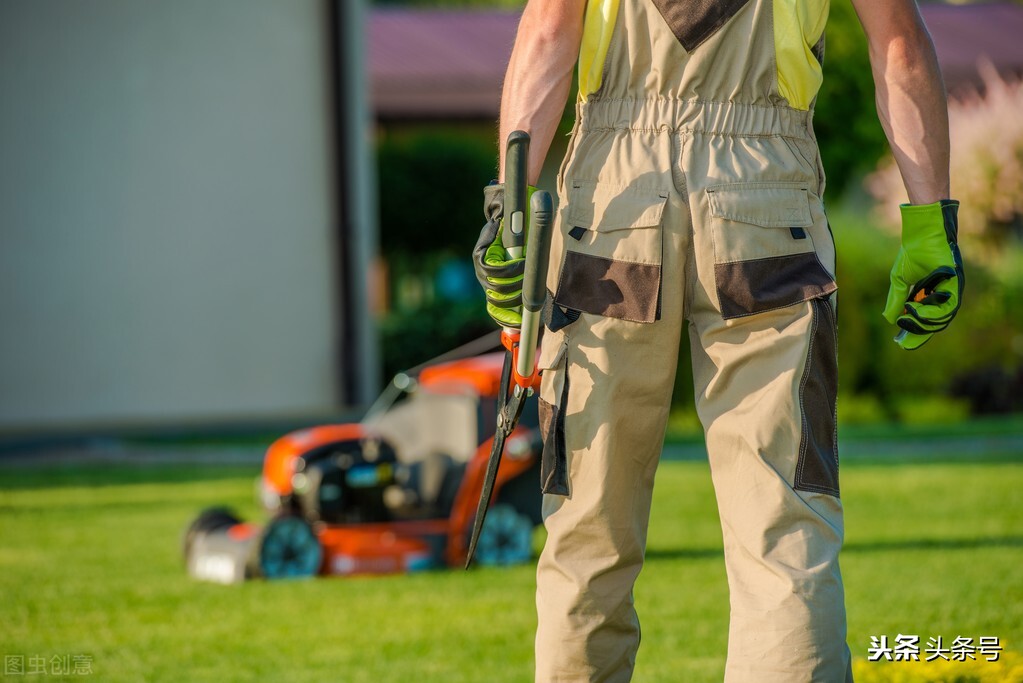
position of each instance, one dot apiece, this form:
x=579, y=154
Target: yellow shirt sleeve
x=598, y=25
x=798, y=26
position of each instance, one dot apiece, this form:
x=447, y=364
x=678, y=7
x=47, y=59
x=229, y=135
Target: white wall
x=165, y=210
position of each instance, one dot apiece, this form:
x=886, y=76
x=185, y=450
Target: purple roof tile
x=450, y=64
x=430, y=63
x=964, y=34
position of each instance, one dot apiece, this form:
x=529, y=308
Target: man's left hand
x=927, y=279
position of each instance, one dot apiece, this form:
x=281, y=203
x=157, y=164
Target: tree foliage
x=845, y=120
x=986, y=136
x=431, y=190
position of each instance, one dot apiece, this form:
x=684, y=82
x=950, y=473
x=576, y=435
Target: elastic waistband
x=671, y=115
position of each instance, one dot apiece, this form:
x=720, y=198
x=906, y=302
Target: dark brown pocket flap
x=610, y=288
x=748, y=287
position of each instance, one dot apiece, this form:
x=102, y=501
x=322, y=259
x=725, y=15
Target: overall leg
x=605, y=396
x=615, y=413
x=764, y=359
x=755, y=384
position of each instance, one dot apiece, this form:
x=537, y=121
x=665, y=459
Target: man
x=691, y=196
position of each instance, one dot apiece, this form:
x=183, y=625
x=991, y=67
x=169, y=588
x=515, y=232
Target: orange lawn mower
x=394, y=493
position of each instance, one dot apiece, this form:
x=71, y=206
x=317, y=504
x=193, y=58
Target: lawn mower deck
x=394, y=493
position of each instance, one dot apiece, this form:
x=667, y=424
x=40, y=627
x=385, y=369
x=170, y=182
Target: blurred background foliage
x=431, y=212
x=845, y=119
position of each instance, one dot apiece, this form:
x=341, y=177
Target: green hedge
x=409, y=338
x=986, y=333
x=431, y=188
x=845, y=119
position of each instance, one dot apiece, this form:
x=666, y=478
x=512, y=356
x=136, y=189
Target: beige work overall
x=691, y=197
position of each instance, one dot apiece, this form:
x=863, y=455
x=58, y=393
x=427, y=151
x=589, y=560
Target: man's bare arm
x=911, y=100
x=539, y=75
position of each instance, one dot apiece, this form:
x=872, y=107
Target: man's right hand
x=927, y=279
x=498, y=273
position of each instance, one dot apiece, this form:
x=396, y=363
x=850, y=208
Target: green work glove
x=498, y=274
x=927, y=278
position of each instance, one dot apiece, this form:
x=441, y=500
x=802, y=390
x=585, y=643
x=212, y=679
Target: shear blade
x=510, y=417
x=488, y=489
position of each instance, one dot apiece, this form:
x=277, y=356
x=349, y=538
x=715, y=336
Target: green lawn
x=90, y=565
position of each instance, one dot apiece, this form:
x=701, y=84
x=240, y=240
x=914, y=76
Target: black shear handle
x=516, y=160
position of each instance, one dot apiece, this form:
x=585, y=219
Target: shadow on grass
x=123, y=508
x=936, y=544
x=929, y=453
x=97, y=475
x=969, y=450
x=683, y=553
x=928, y=544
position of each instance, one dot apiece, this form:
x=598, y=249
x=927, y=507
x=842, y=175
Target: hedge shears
x=530, y=233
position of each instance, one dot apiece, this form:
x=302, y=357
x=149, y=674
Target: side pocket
x=552, y=402
x=556, y=317
x=817, y=467
x=612, y=264
x=764, y=256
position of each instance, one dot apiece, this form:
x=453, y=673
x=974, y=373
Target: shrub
x=986, y=167
x=983, y=348
x=990, y=390
x=431, y=211
x=987, y=332
x=851, y=138
x=409, y=338
x=431, y=189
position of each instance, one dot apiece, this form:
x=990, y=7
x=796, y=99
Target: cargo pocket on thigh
x=553, y=400
x=764, y=256
x=612, y=264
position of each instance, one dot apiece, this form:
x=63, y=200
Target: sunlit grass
x=90, y=564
